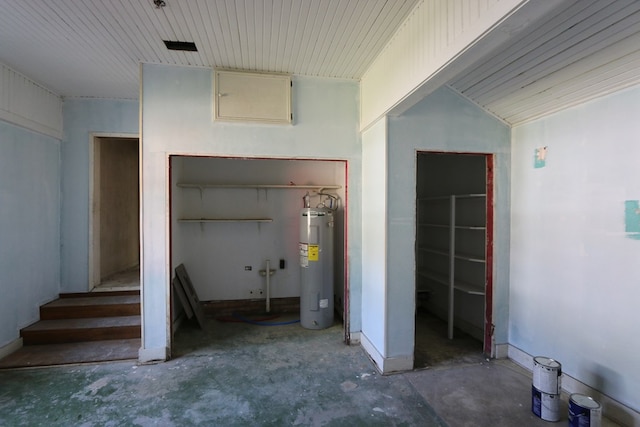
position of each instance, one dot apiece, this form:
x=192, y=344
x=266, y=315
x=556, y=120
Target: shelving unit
x=204, y=186
x=437, y=217
x=260, y=186
x=201, y=220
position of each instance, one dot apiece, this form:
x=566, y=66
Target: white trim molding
x=13, y=346
x=355, y=338
x=27, y=104
x=386, y=365
x=152, y=355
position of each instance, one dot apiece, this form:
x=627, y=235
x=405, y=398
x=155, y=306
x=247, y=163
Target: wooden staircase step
x=72, y=353
x=98, y=294
x=89, y=306
x=81, y=329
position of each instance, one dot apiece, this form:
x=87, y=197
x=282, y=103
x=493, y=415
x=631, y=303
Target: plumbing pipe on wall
x=268, y=308
x=268, y=272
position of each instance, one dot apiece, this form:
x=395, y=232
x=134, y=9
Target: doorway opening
x=235, y=219
x=454, y=227
x=115, y=213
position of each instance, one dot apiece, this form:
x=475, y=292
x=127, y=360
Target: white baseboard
x=151, y=355
x=611, y=409
x=14, y=345
x=386, y=365
x=398, y=364
x=372, y=351
x=501, y=351
x=354, y=338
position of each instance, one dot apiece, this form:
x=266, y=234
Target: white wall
x=374, y=241
x=30, y=129
x=438, y=40
x=81, y=118
x=29, y=226
x=574, y=275
x=216, y=254
x=177, y=119
x=444, y=121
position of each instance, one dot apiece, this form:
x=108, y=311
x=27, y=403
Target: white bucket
x=544, y=405
x=584, y=411
x=547, y=375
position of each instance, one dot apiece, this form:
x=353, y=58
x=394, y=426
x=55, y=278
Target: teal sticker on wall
x=540, y=157
x=632, y=219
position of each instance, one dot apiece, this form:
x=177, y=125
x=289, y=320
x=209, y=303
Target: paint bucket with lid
x=584, y=411
x=545, y=405
x=547, y=375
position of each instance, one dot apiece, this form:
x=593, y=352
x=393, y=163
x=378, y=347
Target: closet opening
x=454, y=227
x=235, y=220
x=114, y=230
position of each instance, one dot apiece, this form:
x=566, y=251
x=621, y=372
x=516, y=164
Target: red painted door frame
x=489, y=219
x=488, y=295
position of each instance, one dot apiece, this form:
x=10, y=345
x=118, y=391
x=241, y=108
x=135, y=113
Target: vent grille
x=185, y=46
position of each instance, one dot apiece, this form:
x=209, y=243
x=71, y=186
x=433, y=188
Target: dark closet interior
x=451, y=257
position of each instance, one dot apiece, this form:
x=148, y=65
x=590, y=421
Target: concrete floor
x=238, y=374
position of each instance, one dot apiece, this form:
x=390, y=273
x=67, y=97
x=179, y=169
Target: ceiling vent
x=185, y=46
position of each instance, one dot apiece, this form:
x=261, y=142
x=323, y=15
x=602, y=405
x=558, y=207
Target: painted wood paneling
x=580, y=51
x=29, y=225
x=93, y=48
x=25, y=103
x=433, y=34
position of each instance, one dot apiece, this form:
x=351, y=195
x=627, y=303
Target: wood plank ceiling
x=92, y=48
x=582, y=50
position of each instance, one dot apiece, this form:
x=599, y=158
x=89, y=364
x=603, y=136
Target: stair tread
x=84, y=323
x=99, y=294
x=72, y=353
x=89, y=301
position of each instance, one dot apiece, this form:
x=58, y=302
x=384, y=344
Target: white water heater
x=316, y=262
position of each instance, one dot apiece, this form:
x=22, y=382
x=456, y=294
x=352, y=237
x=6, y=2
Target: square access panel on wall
x=252, y=97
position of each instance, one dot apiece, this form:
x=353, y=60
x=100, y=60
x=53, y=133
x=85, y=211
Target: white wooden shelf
x=464, y=257
x=458, y=196
x=470, y=227
x=458, y=227
x=204, y=185
x=225, y=220
x=450, y=253
x=260, y=186
x=468, y=288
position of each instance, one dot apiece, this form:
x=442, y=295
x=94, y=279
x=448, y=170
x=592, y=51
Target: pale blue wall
x=444, y=121
x=29, y=226
x=177, y=119
x=81, y=118
x=374, y=239
x=575, y=281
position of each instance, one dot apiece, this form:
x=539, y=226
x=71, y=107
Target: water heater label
x=313, y=252
x=324, y=303
x=304, y=254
